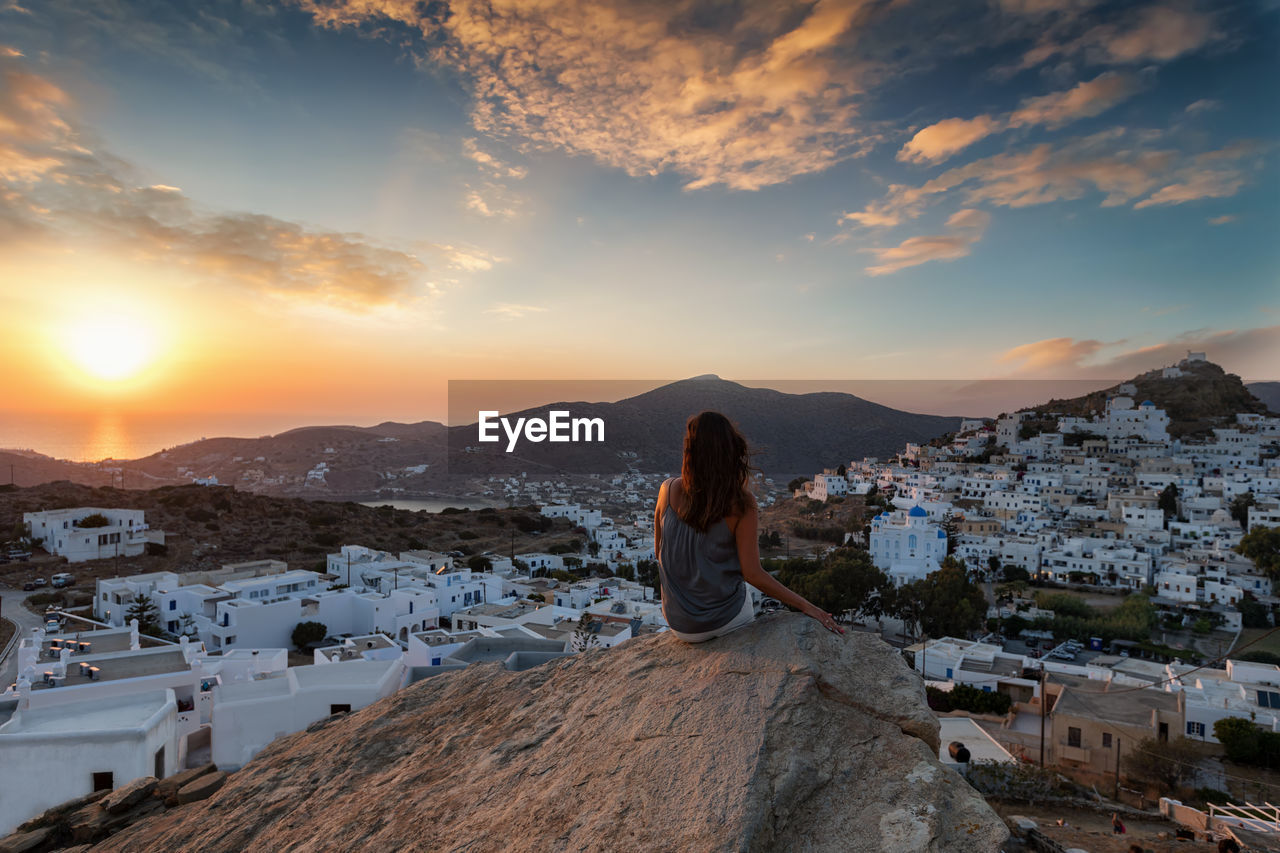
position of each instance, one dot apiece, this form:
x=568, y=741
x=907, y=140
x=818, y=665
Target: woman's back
x=702, y=587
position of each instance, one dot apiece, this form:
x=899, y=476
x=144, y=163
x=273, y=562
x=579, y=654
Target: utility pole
x=1043, y=698
x=1116, y=795
x=348, y=569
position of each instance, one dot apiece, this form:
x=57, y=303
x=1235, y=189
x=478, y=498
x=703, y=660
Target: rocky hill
x=1205, y=396
x=792, y=433
x=777, y=737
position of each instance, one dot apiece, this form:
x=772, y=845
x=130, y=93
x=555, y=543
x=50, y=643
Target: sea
x=93, y=436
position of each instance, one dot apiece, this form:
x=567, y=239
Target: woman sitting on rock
x=705, y=535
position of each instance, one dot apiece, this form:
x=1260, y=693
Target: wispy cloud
x=1114, y=164
x=965, y=227
x=1155, y=33
x=1221, y=220
x=1253, y=353
x=1050, y=354
x=939, y=141
x=514, y=311
x=55, y=183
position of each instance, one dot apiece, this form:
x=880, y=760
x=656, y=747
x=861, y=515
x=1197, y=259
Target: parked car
x=28, y=586
x=38, y=582
x=62, y=579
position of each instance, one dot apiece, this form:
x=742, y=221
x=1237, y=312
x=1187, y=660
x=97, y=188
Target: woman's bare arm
x=663, y=497
x=746, y=534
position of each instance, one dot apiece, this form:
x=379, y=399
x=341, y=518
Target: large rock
x=779, y=736
x=127, y=796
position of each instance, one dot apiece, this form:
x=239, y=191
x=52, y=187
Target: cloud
x=472, y=151
x=1222, y=220
x=1113, y=163
x=757, y=96
x=1207, y=184
x=967, y=227
x=53, y=183
x=1051, y=354
x=1250, y=353
x=1203, y=105
x=1156, y=33
x=1086, y=99
x=490, y=201
x=941, y=140
x=513, y=311
x=1090, y=98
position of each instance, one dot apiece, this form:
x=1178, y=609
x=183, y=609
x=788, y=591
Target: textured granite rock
x=780, y=736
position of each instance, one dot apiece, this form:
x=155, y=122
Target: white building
x=60, y=532
x=60, y=752
x=249, y=715
x=906, y=545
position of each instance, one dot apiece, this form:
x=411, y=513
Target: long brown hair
x=714, y=470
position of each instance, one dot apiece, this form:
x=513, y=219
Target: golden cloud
x=941, y=140
x=648, y=87
x=1086, y=99
x=966, y=226
x=1110, y=163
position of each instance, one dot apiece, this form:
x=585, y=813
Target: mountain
x=1205, y=396
x=1267, y=392
x=792, y=433
x=780, y=736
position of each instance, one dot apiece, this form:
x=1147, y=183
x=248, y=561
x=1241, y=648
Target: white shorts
x=745, y=616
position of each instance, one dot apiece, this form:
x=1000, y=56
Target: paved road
x=11, y=608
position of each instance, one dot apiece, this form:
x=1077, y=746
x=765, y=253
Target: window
x=1106, y=740
x=104, y=781
x=1268, y=699
x=1073, y=737
x=1195, y=729
x=173, y=604
x=340, y=709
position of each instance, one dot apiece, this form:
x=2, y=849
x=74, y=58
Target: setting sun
x=112, y=347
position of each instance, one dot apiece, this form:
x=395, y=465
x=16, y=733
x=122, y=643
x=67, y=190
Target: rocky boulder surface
x=779, y=736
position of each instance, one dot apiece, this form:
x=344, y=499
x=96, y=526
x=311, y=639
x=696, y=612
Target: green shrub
x=963, y=697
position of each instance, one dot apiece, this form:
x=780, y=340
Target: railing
x=1261, y=818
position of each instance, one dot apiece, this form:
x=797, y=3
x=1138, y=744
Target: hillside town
x=170, y=673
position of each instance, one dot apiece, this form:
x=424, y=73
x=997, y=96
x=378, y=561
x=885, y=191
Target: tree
x=479, y=563
x=95, y=519
x=950, y=527
x=841, y=471
x=1246, y=743
x=845, y=581
x=647, y=575
x=797, y=483
x=1239, y=508
x=1169, y=500
x=142, y=608
x=593, y=548
x=1262, y=545
x=946, y=602
x=584, y=636
x=1169, y=765
x=305, y=633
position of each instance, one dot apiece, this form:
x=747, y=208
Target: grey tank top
x=702, y=586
